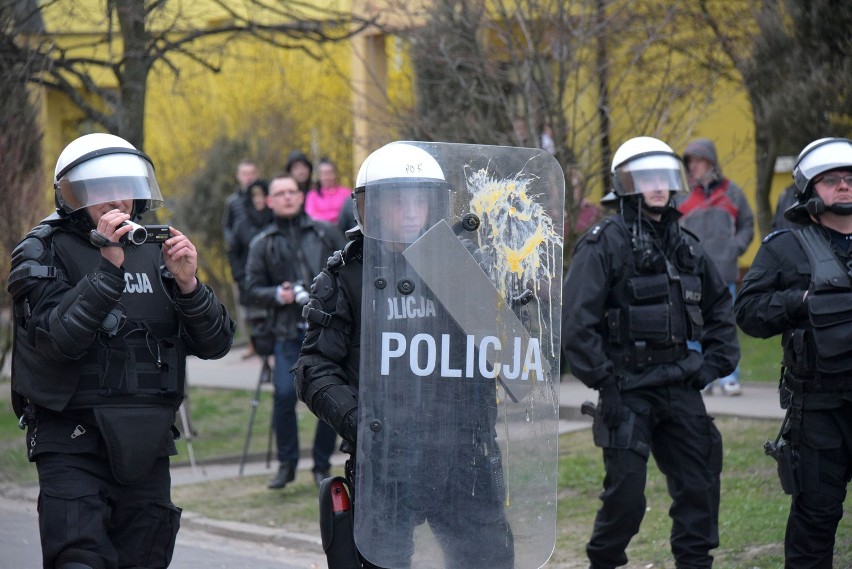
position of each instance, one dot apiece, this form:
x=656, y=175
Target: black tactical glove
x=349, y=426
x=609, y=406
x=703, y=377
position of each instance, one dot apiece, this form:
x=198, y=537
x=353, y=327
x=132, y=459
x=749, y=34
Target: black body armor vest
x=660, y=310
x=822, y=349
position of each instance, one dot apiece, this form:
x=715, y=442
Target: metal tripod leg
x=265, y=377
x=187, y=436
x=269, y=436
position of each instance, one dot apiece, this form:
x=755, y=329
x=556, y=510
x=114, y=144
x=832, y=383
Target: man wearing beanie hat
x=301, y=168
x=717, y=212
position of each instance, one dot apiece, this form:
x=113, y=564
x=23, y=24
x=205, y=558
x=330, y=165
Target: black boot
x=286, y=474
x=320, y=475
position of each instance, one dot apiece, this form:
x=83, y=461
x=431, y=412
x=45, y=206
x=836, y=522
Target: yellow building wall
x=283, y=100
x=730, y=124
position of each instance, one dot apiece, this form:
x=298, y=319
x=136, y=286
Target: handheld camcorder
x=302, y=295
x=144, y=234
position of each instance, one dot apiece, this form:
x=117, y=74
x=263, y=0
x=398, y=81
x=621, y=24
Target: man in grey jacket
x=717, y=212
x=282, y=260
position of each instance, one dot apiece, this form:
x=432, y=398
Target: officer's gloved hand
x=349, y=426
x=609, y=406
x=704, y=377
x=801, y=309
x=690, y=366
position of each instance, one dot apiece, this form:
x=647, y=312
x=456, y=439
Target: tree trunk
x=765, y=154
x=603, y=100
x=133, y=72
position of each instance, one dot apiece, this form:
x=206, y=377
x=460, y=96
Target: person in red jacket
x=717, y=212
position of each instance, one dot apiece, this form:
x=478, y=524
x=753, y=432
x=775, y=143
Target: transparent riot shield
x=456, y=461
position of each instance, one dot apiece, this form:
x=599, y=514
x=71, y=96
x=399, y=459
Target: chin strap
x=100, y=240
x=840, y=208
x=656, y=209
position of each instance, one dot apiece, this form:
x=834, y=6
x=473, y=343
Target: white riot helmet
x=399, y=176
x=98, y=168
x=820, y=156
x=646, y=163
x=816, y=158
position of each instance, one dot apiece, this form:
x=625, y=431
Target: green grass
x=14, y=466
x=760, y=360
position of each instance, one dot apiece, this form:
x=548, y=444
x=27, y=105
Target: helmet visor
x=402, y=210
x=113, y=177
x=650, y=173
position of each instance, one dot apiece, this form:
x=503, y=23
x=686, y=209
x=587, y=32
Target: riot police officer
x=799, y=286
x=399, y=374
x=102, y=330
x=638, y=289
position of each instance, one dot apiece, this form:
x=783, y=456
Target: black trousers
x=85, y=516
x=673, y=422
x=823, y=440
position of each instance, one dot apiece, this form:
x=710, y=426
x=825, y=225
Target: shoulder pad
x=593, y=235
x=353, y=233
x=33, y=246
x=775, y=234
x=323, y=287
x=44, y=230
x=31, y=261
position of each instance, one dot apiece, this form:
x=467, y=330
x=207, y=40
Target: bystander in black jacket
x=289, y=253
x=247, y=223
x=290, y=250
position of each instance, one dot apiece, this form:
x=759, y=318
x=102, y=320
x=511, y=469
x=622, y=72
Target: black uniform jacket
x=71, y=309
x=772, y=297
x=772, y=300
x=292, y=250
x=59, y=321
x=326, y=373
x=598, y=280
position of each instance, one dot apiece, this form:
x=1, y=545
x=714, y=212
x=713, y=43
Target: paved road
x=195, y=549
x=758, y=400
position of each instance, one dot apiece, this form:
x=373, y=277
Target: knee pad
x=79, y=559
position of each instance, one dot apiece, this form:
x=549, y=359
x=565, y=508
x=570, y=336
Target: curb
x=252, y=533
x=28, y=493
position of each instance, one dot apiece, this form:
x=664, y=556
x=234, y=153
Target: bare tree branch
x=150, y=33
